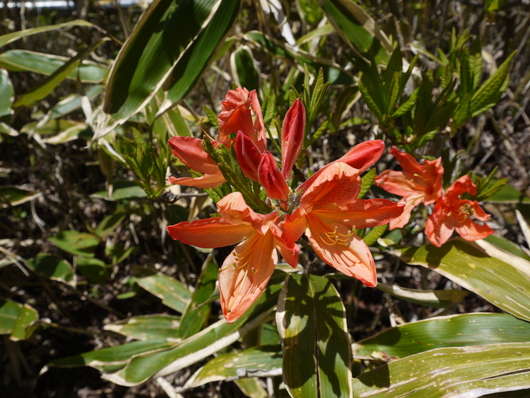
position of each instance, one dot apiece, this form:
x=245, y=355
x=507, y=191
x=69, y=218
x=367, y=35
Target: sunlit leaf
x=47, y=64
x=316, y=349
x=450, y=372
x=254, y=362
x=7, y=94
x=123, y=190
x=431, y=298
x=77, y=243
x=15, y=318
x=172, y=292
x=148, y=327
x=447, y=331
x=500, y=277
x=11, y=37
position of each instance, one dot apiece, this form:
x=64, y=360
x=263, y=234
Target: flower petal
x=337, y=184
x=210, y=232
x=294, y=225
x=440, y=225
x=342, y=249
x=190, y=152
x=248, y=156
x=361, y=213
x=463, y=184
x=234, y=210
x=271, y=178
x=360, y=157
x=293, y=130
x=472, y=230
x=245, y=273
x=206, y=181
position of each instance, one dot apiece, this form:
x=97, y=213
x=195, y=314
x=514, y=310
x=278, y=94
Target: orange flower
x=329, y=213
x=361, y=157
x=235, y=116
x=246, y=271
x=416, y=183
x=453, y=213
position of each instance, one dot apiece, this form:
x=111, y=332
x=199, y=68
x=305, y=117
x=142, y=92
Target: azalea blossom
x=236, y=116
x=416, y=183
x=246, y=271
x=328, y=214
x=453, y=213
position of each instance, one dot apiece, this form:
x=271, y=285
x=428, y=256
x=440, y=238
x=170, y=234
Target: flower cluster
x=325, y=207
x=423, y=184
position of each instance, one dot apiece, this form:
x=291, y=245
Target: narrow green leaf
x=490, y=92
x=500, y=277
x=462, y=111
x=11, y=37
x=47, y=64
x=11, y=195
x=148, y=327
x=123, y=190
x=197, y=347
x=254, y=362
x=73, y=102
x=109, y=224
x=508, y=194
x=464, y=330
x=245, y=72
x=52, y=267
x=450, y=372
x=172, y=292
x=431, y=298
x=507, y=245
x=316, y=348
x=358, y=29
x=197, y=311
x=7, y=94
x=366, y=182
x=94, y=269
x=171, y=45
x=407, y=105
x=394, y=93
x=48, y=84
x=374, y=234
x=81, y=130
x=111, y=355
x=370, y=102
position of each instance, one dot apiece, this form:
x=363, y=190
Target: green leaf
x=172, y=292
x=80, y=130
x=170, y=46
x=7, y=94
x=316, y=349
x=491, y=91
x=94, y=269
x=254, y=362
x=47, y=64
x=370, y=102
x=464, y=330
x=333, y=72
x=73, y=102
x=76, y=243
x=15, y=318
x=47, y=85
x=11, y=37
x=197, y=311
x=508, y=194
x=148, y=327
x=407, y=105
x=462, y=112
x=431, y=298
x=109, y=224
x=245, y=72
x=500, y=277
x=11, y=195
x=374, y=234
x=367, y=182
x=450, y=372
x=197, y=347
x=358, y=29
x=507, y=245
x=113, y=355
x=123, y=190
x=52, y=267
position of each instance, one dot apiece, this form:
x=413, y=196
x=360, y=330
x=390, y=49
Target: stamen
x=334, y=237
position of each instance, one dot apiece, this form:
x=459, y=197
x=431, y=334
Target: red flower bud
x=271, y=178
x=292, y=136
x=248, y=156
